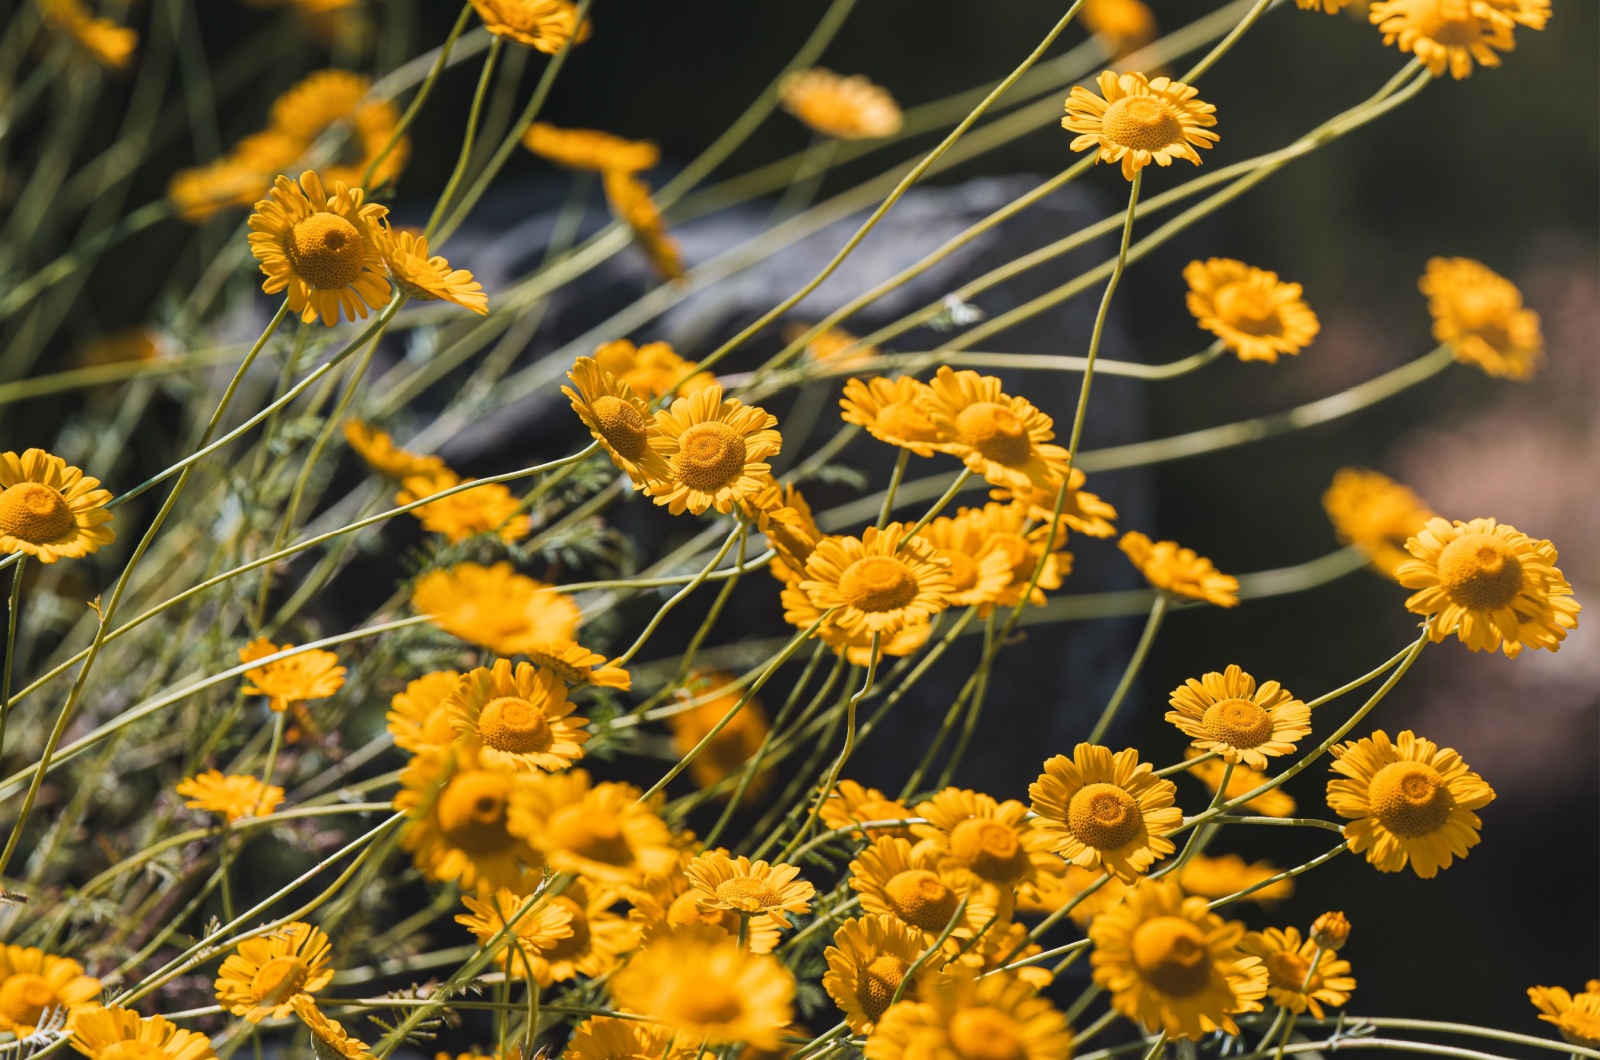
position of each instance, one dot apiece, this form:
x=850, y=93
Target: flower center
x=590, y=832
x=326, y=251
x=131, y=1051
x=621, y=426
x=1170, y=952
x=902, y=419
x=877, y=583
x=707, y=1002
x=986, y=1034
x=1238, y=723
x=686, y=909
x=23, y=999
x=279, y=979
x=995, y=432
x=1450, y=22
x=512, y=724
x=748, y=894
x=1289, y=972
x=989, y=849
x=879, y=980
x=921, y=899
x=1104, y=816
x=710, y=456
x=963, y=569
x=1410, y=799
x=471, y=811
x=1143, y=123
x=1247, y=308
x=1479, y=571
x=577, y=943
x=35, y=513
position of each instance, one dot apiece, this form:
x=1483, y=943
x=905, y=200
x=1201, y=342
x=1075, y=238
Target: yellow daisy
x=1228, y=714
x=846, y=108
x=891, y=410
x=1408, y=801
x=666, y=903
x=1576, y=1016
x=324, y=98
x=1172, y=965
x=878, y=583
x=1292, y=983
x=733, y=745
x=125, y=346
x=577, y=665
x=232, y=796
x=1081, y=510
x=1003, y=438
x=979, y=573
x=50, y=509
x=115, y=1033
x=592, y=942
x=1490, y=585
x=1446, y=33
x=698, y=982
x=996, y=1017
x=383, y=456
x=1480, y=315
x=263, y=976
x=428, y=278
x=976, y=840
x=801, y=613
x=652, y=370
x=835, y=347
x=620, y=421
x=539, y=929
x=1136, y=120
x=543, y=25
x=601, y=832
x=868, y=961
x=1004, y=528
x=1249, y=309
x=521, y=717
x=417, y=718
x=609, y=1038
x=495, y=607
x=1179, y=571
x=747, y=887
x=1376, y=514
x=1227, y=875
x=237, y=178
x=34, y=983
x=107, y=43
x=1103, y=810
x=791, y=531
x=1124, y=26
x=590, y=149
x=329, y=1038
x=458, y=825
x=849, y=803
x=631, y=201
x=894, y=878
x=1331, y=7
x=487, y=509
x=718, y=450
x=314, y=674
x=1274, y=803
x=321, y=248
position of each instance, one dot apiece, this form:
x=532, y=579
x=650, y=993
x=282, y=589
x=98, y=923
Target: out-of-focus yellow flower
x=1227, y=713
x=138, y=342
x=543, y=25
x=326, y=97
x=321, y=248
x=383, y=456
x=49, y=509
x=1479, y=314
x=233, y=796
x=1376, y=514
x=1292, y=982
x=114, y=1032
x=417, y=718
x=1136, y=121
x=960, y=1015
x=733, y=745
x=1228, y=874
x=1255, y=315
x=602, y=832
x=313, y=674
x=263, y=976
x=33, y=982
x=699, y=982
x=458, y=823
x=849, y=804
x=979, y=573
x=1179, y=571
x=540, y=928
x=846, y=108
x=718, y=450
x=107, y=43
x=590, y=149
x=496, y=608
x=487, y=509
x=1123, y=25
x=1243, y=779
x=1332, y=7
x=1452, y=34
x=652, y=370
x=609, y=1038
x=1103, y=810
x=1051, y=893
x=1004, y=530
x=630, y=200
x=834, y=348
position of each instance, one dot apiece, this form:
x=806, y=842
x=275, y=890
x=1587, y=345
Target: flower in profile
x=1331, y=931
x=115, y=1033
x=262, y=977
x=1376, y=514
x=543, y=25
x=619, y=420
x=718, y=449
x=381, y=454
x=417, y=718
x=978, y=841
x=851, y=804
x=1179, y=571
x=1292, y=982
x=1446, y=34
x=1081, y=511
x=495, y=607
x=106, y=43
x=521, y=950
x=669, y=902
x=1003, y=438
x=458, y=827
x=1576, y=1016
x=609, y=1038
x=577, y=665
x=313, y=674
x=1136, y=120
x=652, y=370
x=631, y=202
x=428, y=278
x=733, y=745
x=894, y=878
x=238, y=178
x=1123, y=26
x=1255, y=315
x=791, y=531
x=1003, y=945
x=891, y=410
x=698, y=982
x=487, y=509
x=856, y=647
x=1171, y=964
x=1242, y=781
x=845, y=108
x=1103, y=810
x=590, y=149
x=1408, y=800
x=881, y=582
x=1227, y=875
x=34, y=984
x=868, y=961
x=747, y=888
x=996, y=1017
x=1228, y=714
x=521, y=717
x=320, y=248
x=1479, y=314
x=233, y=796
x=979, y=573
x=601, y=832
x=50, y=509
x=1490, y=585
x=329, y=1039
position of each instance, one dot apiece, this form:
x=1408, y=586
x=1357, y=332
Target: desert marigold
x=978, y=841
x=979, y=573
x=1446, y=34
x=428, y=278
x=602, y=832
x=321, y=248
x=417, y=719
x=1479, y=314
x=1003, y=438
x=1490, y=585
x=590, y=149
x=262, y=977
x=880, y=583
x=106, y=43
x=1256, y=315
x=1123, y=26
x=458, y=829
x=487, y=509
x=538, y=929
x=1227, y=713
x=324, y=98
x=1103, y=810
x=329, y=1039
x=1575, y=1015
x=381, y=454
x=50, y=509
x=609, y=1038
x=1242, y=781
x=749, y=887
x=632, y=203
x=543, y=25
x=517, y=718
x=35, y=984
x=851, y=804
x=652, y=370
x=117, y=1033
x=1170, y=568
x=1081, y=511
x=1136, y=120
x=1292, y=982
x=697, y=981
x=718, y=450
x=233, y=796
x=496, y=608
x=314, y=674
x=995, y=1017
x=1407, y=800
x=620, y=420
x=791, y=531
x=1376, y=514
x=868, y=961
x=845, y=108
x=733, y=745
x=666, y=903
x=891, y=410
x=895, y=878
x=1228, y=874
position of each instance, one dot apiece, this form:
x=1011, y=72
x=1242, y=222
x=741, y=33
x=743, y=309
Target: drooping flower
x=232, y=796
x=850, y=804
x=1407, y=800
x=381, y=454
x=718, y=450
x=1255, y=315
x=128, y=345
x=979, y=841
x=601, y=832
x=879, y=583
x=1081, y=511
x=458, y=829
x=1054, y=892
x=236, y=179
x=543, y=25
x=979, y=572
x=632, y=203
x=329, y=1038
x=1243, y=779
x=846, y=108
x=417, y=718
x=1103, y=810
x=517, y=718
x=1003, y=438
x=487, y=509
x=669, y=902
x=1292, y=983
x=314, y=674
x=590, y=149
x=495, y=607
x=50, y=509
x=1376, y=514
x=791, y=531
x=107, y=43
x=1179, y=571
x=748, y=888
x=577, y=665
x=1227, y=875
x=733, y=745
x=897, y=879
x=1446, y=34
x=619, y=420
x=697, y=981
x=117, y=1033
x=1479, y=314
x=996, y=1017
x=262, y=977
x=609, y=1038
x=868, y=961
x=1576, y=1015
x=1227, y=713
x=892, y=411
x=652, y=370
x=34, y=983
x=428, y=278
x=1136, y=120
x=321, y=248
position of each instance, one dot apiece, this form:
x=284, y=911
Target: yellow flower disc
x=472, y=811
x=994, y=431
x=1144, y=123
x=1246, y=307
x=1170, y=952
x=986, y=1034
x=1238, y=723
x=878, y=583
x=989, y=849
x=1410, y=798
x=711, y=455
x=34, y=512
x=622, y=426
x=511, y=723
x=748, y=893
x=1480, y=571
x=279, y=979
x=879, y=980
x=1104, y=816
x=326, y=251
x=919, y=897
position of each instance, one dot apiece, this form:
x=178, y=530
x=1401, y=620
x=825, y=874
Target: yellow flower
x=1136, y=120
x=1228, y=714
x=747, y=887
x=1330, y=931
x=620, y=421
x=262, y=978
x=1103, y=810
x=329, y=1038
x=849, y=803
x=1274, y=803
x=733, y=745
x=867, y=962
x=1003, y=438
x=50, y=509
x=232, y=796
x=236, y=179
x=1408, y=801
x=835, y=347
x=976, y=840
x=518, y=719
x=458, y=823
x=588, y=939
x=1123, y=25
x=1172, y=965
x=1222, y=877
x=487, y=509
x=1479, y=314
x=666, y=903
x=107, y=43
x=718, y=450
x=1053, y=892
x=1288, y=963
x=124, y=346
x=326, y=97
x=1490, y=585
x=892, y=411
x=1080, y=510
x=1179, y=571
x=33, y=983
x=979, y=573
x=116, y=1033
x=1446, y=33
x=792, y=533
x=1255, y=315
x=539, y=928
x=601, y=832
x=383, y=456
x=880, y=583
x=1576, y=1016
x=698, y=982
x=321, y=248
x=1003, y=527
x=417, y=718
x=897, y=879
x=577, y=665
x=496, y=608
x=997, y=1017
x=801, y=613
x=630, y=200
x=310, y=675
x=590, y=149
x=543, y=25
x=846, y=108
x=609, y=1038
x=1376, y=514
x=428, y=278
x=652, y=370
x=1004, y=944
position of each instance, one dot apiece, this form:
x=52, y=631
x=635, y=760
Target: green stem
x=11, y=645
x=1158, y=611
x=467, y=139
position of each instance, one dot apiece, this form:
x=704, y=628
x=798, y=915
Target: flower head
x=106, y=43
x=1052, y=893
x=909, y=883
x=733, y=745
x=232, y=796
x=1293, y=982
x=458, y=828
x=980, y=842
x=35, y=984
x=747, y=887
x=718, y=450
x=620, y=421
x=979, y=571
x=669, y=902
x=263, y=976
x=652, y=370
x=326, y=97
x=878, y=583
x=1103, y=810
x=631, y=201
x=590, y=149
x=1376, y=514
x=1003, y=438
x=520, y=949
x=1228, y=714
x=1242, y=781
x=1479, y=314
x=1136, y=120
x=1249, y=309
x=387, y=459
x=314, y=674
x=417, y=718
x=1123, y=25
x=1228, y=874
x=846, y=108
x=577, y=665
x=329, y=1039
x=518, y=718
x=1081, y=511
x=892, y=411
x=543, y=25
x=428, y=278
x=50, y=509
x=1030, y=570
x=609, y=1038
x=850, y=804
x=322, y=248
x=1331, y=931
x=1179, y=571
x=1331, y=7
x=487, y=509
x=868, y=961
x=1576, y=1016
x=1446, y=34
x=958, y=1015
x=834, y=348
x=117, y=1033
x=495, y=607
x=698, y=982
x=791, y=531
x=856, y=646
x=601, y=832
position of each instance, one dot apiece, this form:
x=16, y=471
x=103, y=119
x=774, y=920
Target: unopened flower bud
x=1330, y=931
